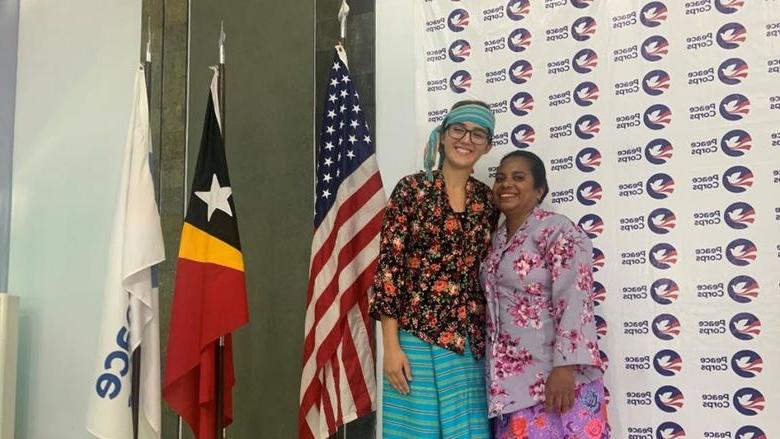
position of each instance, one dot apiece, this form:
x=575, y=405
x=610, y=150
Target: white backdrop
x=76, y=63
x=659, y=125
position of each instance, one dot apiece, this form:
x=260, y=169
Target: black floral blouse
x=428, y=273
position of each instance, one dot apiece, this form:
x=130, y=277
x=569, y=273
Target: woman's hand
x=559, y=389
x=397, y=370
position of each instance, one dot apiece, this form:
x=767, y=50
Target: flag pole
x=135, y=392
x=220, y=351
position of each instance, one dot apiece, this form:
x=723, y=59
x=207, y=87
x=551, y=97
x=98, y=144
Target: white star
x=350, y=154
x=341, y=140
x=338, y=157
x=328, y=161
x=327, y=178
x=356, y=95
x=345, y=79
x=326, y=193
x=336, y=66
x=329, y=146
x=356, y=108
x=366, y=139
x=344, y=93
x=338, y=172
x=331, y=114
x=341, y=124
x=330, y=129
x=352, y=139
x=332, y=98
x=216, y=197
x=353, y=124
x=342, y=108
x=334, y=82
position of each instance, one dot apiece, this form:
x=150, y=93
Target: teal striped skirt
x=446, y=400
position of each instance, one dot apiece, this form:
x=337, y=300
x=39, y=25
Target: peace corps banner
x=659, y=122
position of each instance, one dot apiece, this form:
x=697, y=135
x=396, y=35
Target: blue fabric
x=447, y=395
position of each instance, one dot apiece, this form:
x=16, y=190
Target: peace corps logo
x=588, y=159
x=604, y=363
x=589, y=193
x=734, y=107
x=661, y=221
x=733, y=71
x=747, y=364
x=729, y=7
x=459, y=50
x=655, y=48
x=658, y=151
x=458, y=20
x=598, y=259
x=745, y=326
x=592, y=225
x=460, y=81
x=656, y=82
x=587, y=126
x=653, y=14
x=750, y=432
x=669, y=430
x=664, y=291
x=518, y=9
x=659, y=186
x=663, y=256
x=519, y=40
x=669, y=399
x=739, y=215
x=585, y=61
x=521, y=71
x=657, y=117
x=583, y=28
x=667, y=363
x=736, y=142
x=737, y=179
x=731, y=35
x=601, y=326
x=743, y=289
x=586, y=94
x=741, y=252
x=749, y=401
x=522, y=103
x=523, y=136
x=599, y=293
x=581, y=4
x=666, y=327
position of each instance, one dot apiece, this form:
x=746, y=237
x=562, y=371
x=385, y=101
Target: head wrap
x=473, y=113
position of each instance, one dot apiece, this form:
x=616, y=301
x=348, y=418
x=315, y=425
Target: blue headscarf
x=474, y=113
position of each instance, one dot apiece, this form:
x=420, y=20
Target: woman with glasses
x=543, y=365
x=436, y=230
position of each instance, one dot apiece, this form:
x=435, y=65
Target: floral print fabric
x=587, y=419
x=538, y=285
x=428, y=272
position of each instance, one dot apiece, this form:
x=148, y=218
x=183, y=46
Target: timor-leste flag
x=210, y=293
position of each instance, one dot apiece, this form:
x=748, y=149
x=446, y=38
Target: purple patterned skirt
x=587, y=419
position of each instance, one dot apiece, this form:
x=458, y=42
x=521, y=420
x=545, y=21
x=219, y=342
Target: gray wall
x=9, y=30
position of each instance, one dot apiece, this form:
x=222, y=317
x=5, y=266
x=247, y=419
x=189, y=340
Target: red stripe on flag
x=314, y=389
x=346, y=210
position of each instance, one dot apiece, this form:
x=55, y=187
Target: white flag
x=130, y=310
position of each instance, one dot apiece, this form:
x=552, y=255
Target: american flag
x=338, y=381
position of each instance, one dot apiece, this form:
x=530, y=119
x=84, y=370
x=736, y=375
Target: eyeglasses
x=477, y=136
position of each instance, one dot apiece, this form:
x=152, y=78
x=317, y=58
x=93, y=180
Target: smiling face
x=462, y=149
x=514, y=191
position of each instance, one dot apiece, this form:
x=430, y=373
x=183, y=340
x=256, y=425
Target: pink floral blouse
x=538, y=285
